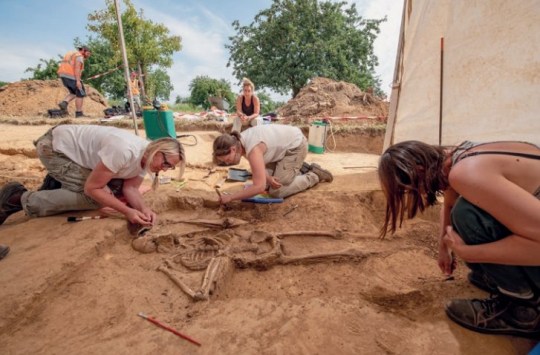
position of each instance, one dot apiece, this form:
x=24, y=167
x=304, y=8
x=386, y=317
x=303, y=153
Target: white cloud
x=385, y=46
x=203, y=51
x=17, y=57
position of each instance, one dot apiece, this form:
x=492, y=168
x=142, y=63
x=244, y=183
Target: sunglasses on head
x=166, y=164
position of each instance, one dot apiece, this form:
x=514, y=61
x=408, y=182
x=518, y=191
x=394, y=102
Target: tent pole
x=441, y=92
x=396, y=84
x=126, y=65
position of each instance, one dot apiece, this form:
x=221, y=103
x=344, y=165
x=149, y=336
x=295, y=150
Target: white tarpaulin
x=491, y=72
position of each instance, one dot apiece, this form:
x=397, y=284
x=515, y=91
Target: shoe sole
x=327, y=176
x=7, y=191
x=5, y=194
x=4, y=251
x=511, y=331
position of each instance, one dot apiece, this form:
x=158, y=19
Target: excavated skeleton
x=218, y=253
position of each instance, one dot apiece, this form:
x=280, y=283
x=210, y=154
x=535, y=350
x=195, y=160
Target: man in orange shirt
x=70, y=71
x=135, y=91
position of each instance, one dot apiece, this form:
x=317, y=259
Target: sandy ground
x=78, y=287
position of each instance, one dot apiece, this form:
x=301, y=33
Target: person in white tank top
x=276, y=155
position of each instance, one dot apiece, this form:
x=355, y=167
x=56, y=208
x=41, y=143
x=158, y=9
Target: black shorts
x=71, y=85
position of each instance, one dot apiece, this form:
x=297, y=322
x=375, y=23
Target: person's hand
x=447, y=262
x=79, y=84
x=137, y=217
x=149, y=214
x=453, y=241
x=274, y=182
x=224, y=199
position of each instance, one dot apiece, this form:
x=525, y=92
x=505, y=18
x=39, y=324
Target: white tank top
x=278, y=139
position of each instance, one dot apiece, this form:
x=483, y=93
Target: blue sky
x=34, y=29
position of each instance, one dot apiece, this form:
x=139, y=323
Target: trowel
x=238, y=174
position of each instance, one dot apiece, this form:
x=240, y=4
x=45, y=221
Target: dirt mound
x=324, y=97
x=31, y=98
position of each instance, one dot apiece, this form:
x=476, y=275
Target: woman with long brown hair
x=490, y=218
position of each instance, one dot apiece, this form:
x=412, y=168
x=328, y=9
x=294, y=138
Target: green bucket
x=159, y=124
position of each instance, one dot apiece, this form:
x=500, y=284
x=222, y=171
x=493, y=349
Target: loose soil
x=30, y=99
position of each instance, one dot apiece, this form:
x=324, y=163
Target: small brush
x=78, y=219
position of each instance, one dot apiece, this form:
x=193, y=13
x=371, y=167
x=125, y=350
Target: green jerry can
x=159, y=124
x=317, y=137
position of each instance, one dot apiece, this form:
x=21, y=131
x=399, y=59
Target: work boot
x=498, y=314
x=80, y=114
x=50, y=183
x=10, y=199
x=63, y=105
x=4, y=251
x=324, y=175
x=481, y=280
x=305, y=168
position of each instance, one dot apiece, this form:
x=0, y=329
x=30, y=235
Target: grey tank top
x=459, y=153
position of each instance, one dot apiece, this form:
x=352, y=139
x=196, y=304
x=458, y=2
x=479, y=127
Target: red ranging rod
x=159, y=324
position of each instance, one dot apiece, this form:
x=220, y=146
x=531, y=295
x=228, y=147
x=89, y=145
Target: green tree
x=147, y=43
x=295, y=40
x=202, y=87
x=267, y=104
x=158, y=85
x=45, y=70
x=3, y=83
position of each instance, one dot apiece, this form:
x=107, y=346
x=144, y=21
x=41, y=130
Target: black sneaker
x=305, y=168
x=480, y=280
x=324, y=175
x=50, y=183
x=63, y=106
x=498, y=314
x=80, y=114
x=7, y=208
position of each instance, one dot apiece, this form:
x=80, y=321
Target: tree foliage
x=159, y=84
x=147, y=43
x=45, y=70
x=202, y=87
x=267, y=104
x=295, y=40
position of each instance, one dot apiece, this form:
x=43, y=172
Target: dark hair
x=224, y=143
x=84, y=48
x=411, y=177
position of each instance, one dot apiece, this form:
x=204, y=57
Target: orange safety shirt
x=135, y=87
x=67, y=66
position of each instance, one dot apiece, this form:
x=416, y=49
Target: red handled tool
x=159, y=324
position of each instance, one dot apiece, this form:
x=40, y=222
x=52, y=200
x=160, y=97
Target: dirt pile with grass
x=324, y=97
x=32, y=98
